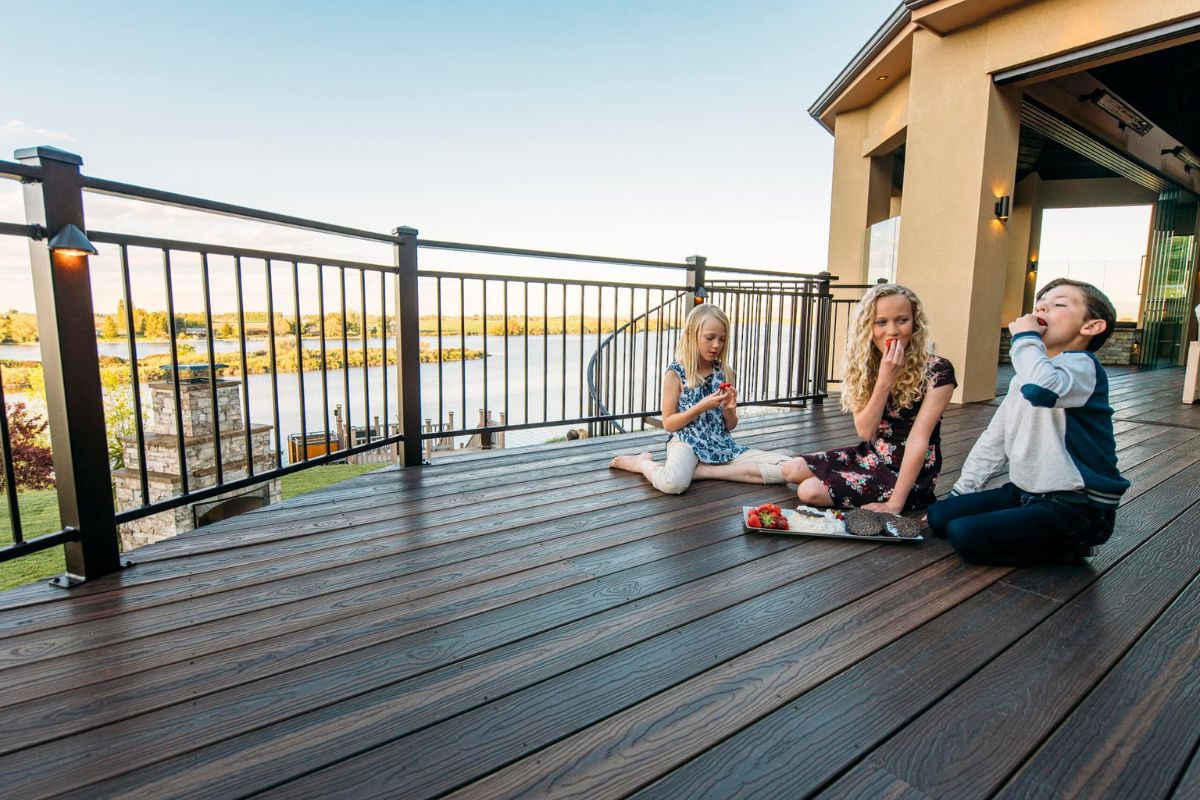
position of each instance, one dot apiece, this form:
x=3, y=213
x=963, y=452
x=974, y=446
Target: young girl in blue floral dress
x=897, y=390
x=699, y=409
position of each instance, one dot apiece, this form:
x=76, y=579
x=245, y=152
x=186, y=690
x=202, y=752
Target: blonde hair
x=687, y=349
x=862, y=357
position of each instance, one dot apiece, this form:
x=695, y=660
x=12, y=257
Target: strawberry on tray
x=766, y=517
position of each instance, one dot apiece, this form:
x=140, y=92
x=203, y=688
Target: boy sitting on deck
x=1054, y=429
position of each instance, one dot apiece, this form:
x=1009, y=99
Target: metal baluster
x=462, y=343
x=139, y=427
x=441, y=394
x=362, y=285
x=348, y=419
x=324, y=359
x=383, y=343
x=171, y=332
x=525, y=339
x=212, y=366
x=274, y=365
x=300, y=361
x=241, y=316
x=484, y=366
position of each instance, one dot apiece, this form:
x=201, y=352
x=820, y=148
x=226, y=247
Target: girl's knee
x=668, y=481
x=795, y=470
x=812, y=492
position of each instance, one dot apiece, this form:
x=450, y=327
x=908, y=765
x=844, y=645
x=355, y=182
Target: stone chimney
x=163, y=471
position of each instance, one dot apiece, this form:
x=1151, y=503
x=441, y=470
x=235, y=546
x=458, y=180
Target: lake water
x=457, y=388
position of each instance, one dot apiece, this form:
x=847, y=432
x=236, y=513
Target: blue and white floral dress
x=706, y=434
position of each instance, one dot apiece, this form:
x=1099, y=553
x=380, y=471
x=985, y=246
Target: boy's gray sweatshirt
x=1053, y=429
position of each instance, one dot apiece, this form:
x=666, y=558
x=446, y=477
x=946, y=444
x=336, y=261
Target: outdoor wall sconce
x=1125, y=116
x=1003, y=207
x=1033, y=266
x=1188, y=158
x=70, y=241
x=700, y=295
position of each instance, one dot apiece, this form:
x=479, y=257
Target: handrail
x=10, y=169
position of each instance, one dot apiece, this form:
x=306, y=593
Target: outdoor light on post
x=700, y=295
x=70, y=241
x=1003, y=208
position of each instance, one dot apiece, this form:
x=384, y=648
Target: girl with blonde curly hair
x=897, y=390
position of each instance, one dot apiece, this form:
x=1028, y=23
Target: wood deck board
x=352, y=642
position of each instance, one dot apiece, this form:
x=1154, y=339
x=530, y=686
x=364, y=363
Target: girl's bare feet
x=631, y=463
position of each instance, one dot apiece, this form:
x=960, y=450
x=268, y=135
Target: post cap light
x=1003, y=207
x=70, y=241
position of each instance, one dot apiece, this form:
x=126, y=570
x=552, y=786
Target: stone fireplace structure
x=163, y=471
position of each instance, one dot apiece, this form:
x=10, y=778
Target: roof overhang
x=887, y=55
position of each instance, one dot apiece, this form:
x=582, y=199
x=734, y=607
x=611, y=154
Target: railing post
x=408, y=345
x=695, y=280
x=824, y=307
x=74, y=400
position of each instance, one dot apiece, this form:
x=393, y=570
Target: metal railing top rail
x=793, y=275
x=481, y=276
x=107, y=237
x=128, y=190
x=9, y=169
x=499, y=250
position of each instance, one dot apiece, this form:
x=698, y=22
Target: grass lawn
x=39, y=516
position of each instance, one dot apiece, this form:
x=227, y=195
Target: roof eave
x=869, y=52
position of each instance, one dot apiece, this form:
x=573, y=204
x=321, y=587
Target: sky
x=648, y=130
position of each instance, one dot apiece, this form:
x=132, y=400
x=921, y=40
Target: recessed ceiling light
x=882, y=78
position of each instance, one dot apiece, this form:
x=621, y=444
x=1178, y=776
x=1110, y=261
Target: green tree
x=226, y=331
x=23, y=327
x=155, y=325
x=108, y=329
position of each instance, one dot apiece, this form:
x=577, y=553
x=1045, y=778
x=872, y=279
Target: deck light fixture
x=1003, y=207
x=70, y=241
x=1125, y=116
x=1189, y=159
x=700, y=295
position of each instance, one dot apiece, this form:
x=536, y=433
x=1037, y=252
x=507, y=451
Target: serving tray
x=835, y=528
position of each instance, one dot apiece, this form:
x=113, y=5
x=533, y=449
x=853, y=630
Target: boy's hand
x=1028, y=322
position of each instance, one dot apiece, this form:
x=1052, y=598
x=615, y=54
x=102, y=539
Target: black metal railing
x=270, y=361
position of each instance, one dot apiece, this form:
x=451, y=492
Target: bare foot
x=631, y=463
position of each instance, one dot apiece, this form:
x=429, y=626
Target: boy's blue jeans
x=1011, y=527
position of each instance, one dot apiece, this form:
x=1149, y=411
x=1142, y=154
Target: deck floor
x=530, y=622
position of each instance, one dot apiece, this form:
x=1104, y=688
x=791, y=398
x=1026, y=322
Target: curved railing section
x=779, y=347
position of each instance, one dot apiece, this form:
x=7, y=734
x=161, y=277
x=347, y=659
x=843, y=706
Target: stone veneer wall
x=1119, y=349
x=162, y=457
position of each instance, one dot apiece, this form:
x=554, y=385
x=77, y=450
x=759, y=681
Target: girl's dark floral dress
x=867, y=472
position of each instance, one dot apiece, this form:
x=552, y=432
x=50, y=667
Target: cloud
x=15, y=127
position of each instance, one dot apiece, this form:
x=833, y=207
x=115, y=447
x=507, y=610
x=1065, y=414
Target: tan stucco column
x=1025, y=233
x=862, y=188
x=961, y=156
